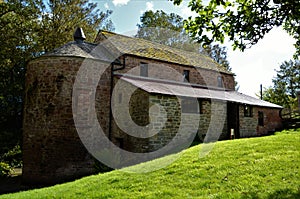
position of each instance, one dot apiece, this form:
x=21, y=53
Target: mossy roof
x=152, y=50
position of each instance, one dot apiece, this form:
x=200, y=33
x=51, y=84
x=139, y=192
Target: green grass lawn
x=265, y=167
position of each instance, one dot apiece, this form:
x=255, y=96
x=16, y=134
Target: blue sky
x=252, y=67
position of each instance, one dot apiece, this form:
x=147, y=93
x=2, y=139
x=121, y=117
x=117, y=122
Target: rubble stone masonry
x=52, y=150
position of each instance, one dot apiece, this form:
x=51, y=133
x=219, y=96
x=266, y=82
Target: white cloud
x=186, y=12
x=149, y=6
x=120, y=2
x=257, y=65
x=106, y=6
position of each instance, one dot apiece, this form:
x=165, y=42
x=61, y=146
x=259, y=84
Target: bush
x=5, y=169
x=13, y=157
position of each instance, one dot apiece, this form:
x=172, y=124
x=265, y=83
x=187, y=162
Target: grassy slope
x=266, y=167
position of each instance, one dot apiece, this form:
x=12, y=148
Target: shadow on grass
x=14, y=184
x=278, y=194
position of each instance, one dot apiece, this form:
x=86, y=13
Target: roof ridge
x=208, y=62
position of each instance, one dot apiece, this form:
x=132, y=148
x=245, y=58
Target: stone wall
x=159, y=118
x=249, y=126
x=272, y=120
x=165, y=120
x=52, y=149
x=170, y=71
x=213, y=120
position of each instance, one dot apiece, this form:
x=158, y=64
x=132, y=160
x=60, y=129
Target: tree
x=59, y=19
x=168, y=29
x=285, y=85
x=245, y=22
x=165, y=29
x=218, y=53
x=28, y=29
x=17, y=22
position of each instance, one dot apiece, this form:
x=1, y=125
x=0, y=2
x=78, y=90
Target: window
x=220, y=81
x=190, y=105
x=186, y=75
x=248, y=111
x=144, y=69
x=260, y=118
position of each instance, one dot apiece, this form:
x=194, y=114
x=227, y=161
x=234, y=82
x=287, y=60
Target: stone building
x=142, y=95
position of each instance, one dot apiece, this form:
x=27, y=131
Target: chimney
x=79, y=36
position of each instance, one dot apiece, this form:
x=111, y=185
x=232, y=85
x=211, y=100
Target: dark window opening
x=186, y=75
x=190, y=105
x=144, y=69
x=201, y=106
x=220, y=82
x=248, y=111
x=260, y=118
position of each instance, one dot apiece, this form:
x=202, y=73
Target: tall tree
x=18, y=21
x=245, y=22
x=285, y=85
x=29, y=28
x=59, y=19
x=168, y=29
x=165, y=29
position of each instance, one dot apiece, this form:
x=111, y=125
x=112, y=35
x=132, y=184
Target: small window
x=190, y=105
x=260, y=118
x=144, y=69
x=186, y=75
x=220, y=81
x=248, y=111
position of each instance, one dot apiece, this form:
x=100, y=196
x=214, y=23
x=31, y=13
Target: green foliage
x=165, y=29
x=17, y=22
x=290, y=131
x=168, y=29
x=285, y=85
x=13, y=157
x=59, y=19
x=217, y=53
x=5, y=169
x=28, y=29
x=244, y=22
x=243, y=168
x=10, y=160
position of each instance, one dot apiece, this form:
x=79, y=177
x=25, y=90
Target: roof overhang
x=187, y=90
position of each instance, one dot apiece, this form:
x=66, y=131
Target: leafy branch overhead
x=244, y=22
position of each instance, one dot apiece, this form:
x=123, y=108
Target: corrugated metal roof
x=185, y=90
x=152, y=50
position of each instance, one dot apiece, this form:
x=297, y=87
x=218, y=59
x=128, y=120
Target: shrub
x=5, y=169
x=13, y=157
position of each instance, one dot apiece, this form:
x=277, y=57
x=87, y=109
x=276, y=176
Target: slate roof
x=186, y=90
x=84, y=50
x=148, y=49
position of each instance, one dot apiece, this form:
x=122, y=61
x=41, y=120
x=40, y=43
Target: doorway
x=233, y=121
